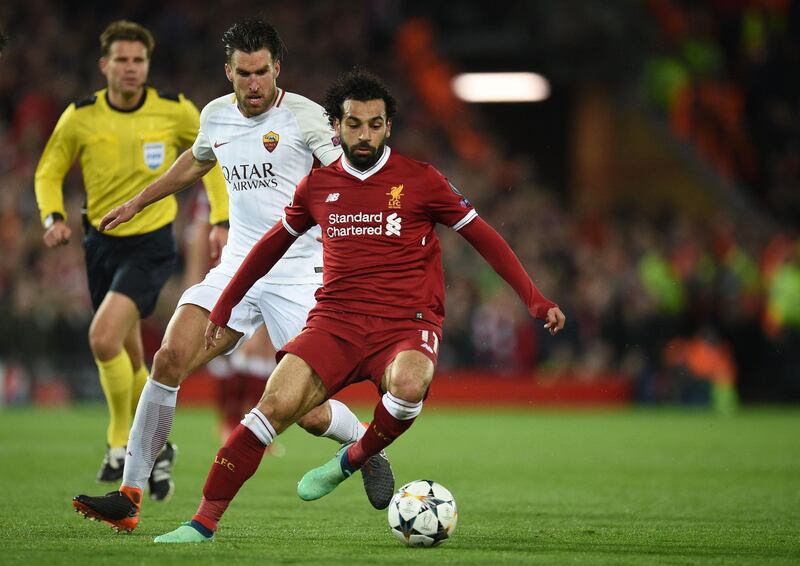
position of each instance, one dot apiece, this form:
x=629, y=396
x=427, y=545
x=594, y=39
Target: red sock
x=381, y=432
x=235, y=462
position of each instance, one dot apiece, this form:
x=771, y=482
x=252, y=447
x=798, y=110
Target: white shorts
x=283, y=308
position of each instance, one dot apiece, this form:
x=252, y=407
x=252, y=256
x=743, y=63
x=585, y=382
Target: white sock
x=151, y=427
x=260, y=426
x=345, y=426
x=400, y=408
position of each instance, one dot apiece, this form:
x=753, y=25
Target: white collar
x=364, y=175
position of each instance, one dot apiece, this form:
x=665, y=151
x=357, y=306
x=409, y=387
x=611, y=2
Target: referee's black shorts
x=136, y=266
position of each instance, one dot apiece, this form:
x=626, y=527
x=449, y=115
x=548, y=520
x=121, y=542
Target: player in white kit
x=265, y=140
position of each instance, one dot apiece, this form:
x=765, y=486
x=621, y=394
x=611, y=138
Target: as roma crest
x=271, y=140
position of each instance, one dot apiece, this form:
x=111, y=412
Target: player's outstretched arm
x=496, y=251
x=185, y=172
x=265, y=254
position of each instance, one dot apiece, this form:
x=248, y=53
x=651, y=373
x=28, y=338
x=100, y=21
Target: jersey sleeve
x=201, y=149
x=297, y=217
x=497, y=253
x=446, y=204
x=316, y=131
x=57, y=157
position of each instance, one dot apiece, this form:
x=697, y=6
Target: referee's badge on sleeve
x=154, y=153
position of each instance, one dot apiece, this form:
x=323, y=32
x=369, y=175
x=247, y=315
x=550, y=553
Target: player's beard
x=246, y=107
x=363, y=162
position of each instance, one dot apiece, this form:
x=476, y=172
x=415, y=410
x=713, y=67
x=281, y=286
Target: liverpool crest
x=394, y=195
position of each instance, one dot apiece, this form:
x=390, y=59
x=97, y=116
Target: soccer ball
x=422, y=513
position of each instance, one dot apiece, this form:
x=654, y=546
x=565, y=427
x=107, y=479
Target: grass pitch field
x=543, y=487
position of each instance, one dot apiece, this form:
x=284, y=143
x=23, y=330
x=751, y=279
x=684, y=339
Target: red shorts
x=345, y=348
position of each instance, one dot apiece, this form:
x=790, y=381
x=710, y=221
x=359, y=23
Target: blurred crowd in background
x=665, y=297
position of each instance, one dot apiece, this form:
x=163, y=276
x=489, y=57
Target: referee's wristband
x=224, y=224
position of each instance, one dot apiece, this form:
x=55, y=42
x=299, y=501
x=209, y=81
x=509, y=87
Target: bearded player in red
x=380, y=310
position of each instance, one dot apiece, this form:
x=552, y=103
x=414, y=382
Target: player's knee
x=282, y=412
x=104, y=345
x=316, y=421
x=277, y=415
x=409, y=387
x=169, y=365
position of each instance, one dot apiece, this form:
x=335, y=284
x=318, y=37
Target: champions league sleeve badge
x=464, y=201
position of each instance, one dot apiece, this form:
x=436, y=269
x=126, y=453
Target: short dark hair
x=361, y=85
x=250, y=36
x=123, y=30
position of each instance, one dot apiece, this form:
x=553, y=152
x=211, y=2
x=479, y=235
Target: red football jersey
x=380, y=249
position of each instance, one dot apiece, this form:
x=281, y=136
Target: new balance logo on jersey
x=333, y=197
x=393, y=224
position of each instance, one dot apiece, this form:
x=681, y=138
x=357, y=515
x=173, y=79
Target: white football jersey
x=262, y=159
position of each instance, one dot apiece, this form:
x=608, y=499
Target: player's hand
x=213, y=334
x=555, y=320
x=217, y=239
x=57, y=235
x=117, y=216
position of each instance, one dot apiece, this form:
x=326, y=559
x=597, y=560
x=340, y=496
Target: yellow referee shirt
x=122, y=152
